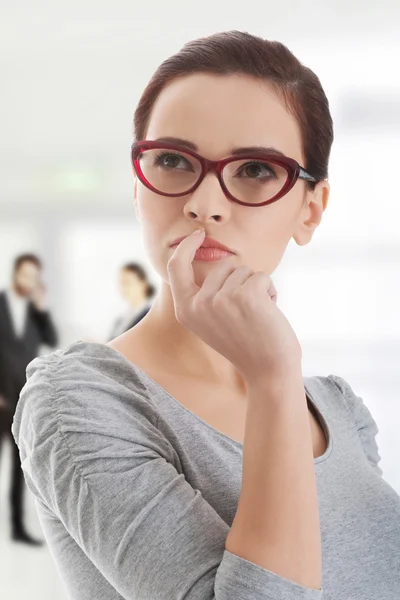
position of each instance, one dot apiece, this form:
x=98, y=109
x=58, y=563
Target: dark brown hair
x=24, y=258
x=235, y=52
x=141, y=274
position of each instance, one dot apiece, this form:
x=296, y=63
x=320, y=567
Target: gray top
x=136, y=494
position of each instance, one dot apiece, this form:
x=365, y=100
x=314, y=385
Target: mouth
x=208, y=242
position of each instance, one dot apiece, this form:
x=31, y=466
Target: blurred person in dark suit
x=137, y=290
x=25, y=324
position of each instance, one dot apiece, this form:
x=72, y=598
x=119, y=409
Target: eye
x=256, y=170
x=172, y=160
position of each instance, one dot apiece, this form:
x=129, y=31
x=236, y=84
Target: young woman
x=189, y=458
x=137, y=291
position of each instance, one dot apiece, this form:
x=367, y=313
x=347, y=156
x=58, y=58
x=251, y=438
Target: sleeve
x=99, y=463
x=366, y=426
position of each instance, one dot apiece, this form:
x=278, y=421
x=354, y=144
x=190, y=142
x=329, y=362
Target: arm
x=4, y=405
x=45, y=325
x=89, y=453
x=277, y=522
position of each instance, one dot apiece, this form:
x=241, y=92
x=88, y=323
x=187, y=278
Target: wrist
x=278, y=375
x=277, y=384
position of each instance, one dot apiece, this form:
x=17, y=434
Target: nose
x=208, y=202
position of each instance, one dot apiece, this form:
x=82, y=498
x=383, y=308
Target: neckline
x=136, y=369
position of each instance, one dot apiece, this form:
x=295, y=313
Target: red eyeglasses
x=254, y=179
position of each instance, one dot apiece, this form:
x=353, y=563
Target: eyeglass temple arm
x=304, y=175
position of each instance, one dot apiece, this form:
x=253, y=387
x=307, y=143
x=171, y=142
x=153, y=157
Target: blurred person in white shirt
x=25, y=324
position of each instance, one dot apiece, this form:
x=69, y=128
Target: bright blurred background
x=71, y=74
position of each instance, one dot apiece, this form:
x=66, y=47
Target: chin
x=202, y=268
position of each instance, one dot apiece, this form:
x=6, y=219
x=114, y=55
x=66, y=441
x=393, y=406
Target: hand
x=3, y=403
x=38, y=297
x=234, y=312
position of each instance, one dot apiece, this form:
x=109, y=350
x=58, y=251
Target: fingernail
x=198, y=231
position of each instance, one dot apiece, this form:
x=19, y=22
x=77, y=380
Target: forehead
x=28, y=268
x=128, y=274
x=221, y=112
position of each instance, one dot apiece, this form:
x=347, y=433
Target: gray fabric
x=136, y=494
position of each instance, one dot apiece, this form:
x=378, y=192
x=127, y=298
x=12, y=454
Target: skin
x=133, y=290
x=271, y=528
x=217, y=114
x=27, y=283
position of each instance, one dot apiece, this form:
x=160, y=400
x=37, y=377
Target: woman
x=137, y=291
x=188, y=458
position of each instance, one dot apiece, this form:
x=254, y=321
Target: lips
x=208, y=242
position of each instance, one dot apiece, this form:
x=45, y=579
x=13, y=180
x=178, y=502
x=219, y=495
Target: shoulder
x=327, y=390
x=84, y=383
x=340, y=389
x=338, y=395
x=335, y=391
x=83, y=411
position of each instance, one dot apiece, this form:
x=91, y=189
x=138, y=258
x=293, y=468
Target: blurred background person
x=137, y=291
x=25, y=324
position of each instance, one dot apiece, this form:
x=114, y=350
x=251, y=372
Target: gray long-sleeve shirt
x=136, y=494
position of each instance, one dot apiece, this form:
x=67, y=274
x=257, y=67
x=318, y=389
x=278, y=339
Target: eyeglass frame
x=294, y=170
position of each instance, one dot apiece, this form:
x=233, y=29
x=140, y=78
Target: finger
x=216, y=278
x=237, y=278
x=180, y=269
x=260, y=282
x=273, y=292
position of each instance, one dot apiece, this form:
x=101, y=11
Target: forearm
x=277, y=520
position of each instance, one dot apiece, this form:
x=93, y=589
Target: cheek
x=268, y=233
x=156, y=211
x=159, y=222
x=157, y=217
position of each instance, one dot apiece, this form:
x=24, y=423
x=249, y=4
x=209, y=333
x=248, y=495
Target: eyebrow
x=234, y=151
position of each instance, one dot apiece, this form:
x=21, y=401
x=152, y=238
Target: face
x=132, y=288
x=27, y=278
x=218, y=114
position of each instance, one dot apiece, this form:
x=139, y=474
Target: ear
x=135, y=196
x=315, y=204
